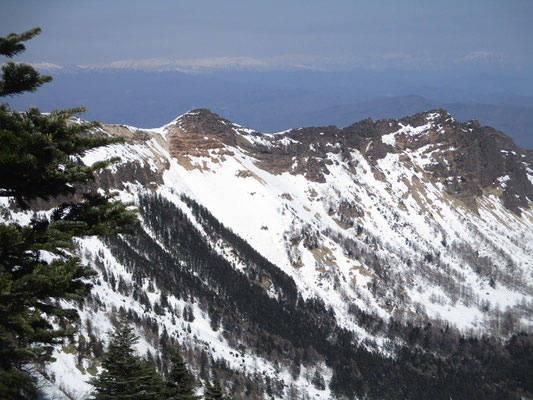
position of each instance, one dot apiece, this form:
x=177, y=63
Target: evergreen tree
x=179, y=384
x=214, y=391
x=153, y=380
x=40, y=158
x=125, y=375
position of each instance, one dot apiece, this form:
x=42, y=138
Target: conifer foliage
x=125, y=375
x=214, y=391
x=179, y=384
x=40, y=158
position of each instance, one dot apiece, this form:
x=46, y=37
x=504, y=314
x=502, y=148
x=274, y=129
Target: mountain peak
x=201, y=132
x=197, y=115
x=204, y=121
x=433, y=118
x=202, y=113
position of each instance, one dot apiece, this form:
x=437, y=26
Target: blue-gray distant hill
x=278, y=100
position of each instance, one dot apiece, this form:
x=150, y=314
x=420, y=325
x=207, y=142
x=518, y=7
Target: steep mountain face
x=321, y=261
x=331, y=207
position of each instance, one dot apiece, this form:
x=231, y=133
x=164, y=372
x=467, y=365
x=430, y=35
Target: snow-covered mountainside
x=294, y=262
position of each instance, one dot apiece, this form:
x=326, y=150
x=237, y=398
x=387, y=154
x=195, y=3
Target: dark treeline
x=196, y=271
x=430, y=361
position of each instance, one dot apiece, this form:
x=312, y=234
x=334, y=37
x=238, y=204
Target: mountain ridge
x=318, y=250
x=444, y=127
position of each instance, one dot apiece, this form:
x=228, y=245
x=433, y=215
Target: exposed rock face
x=466, y=158
x=199, y=131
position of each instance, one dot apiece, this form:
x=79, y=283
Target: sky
x=335, y=34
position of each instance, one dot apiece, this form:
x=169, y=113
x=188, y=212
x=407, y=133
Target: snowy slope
x=387, y=216
x=400, y=214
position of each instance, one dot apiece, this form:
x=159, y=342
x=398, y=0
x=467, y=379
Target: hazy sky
x=383, y=34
